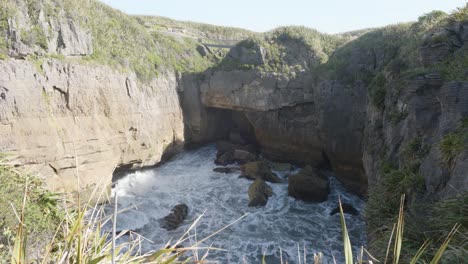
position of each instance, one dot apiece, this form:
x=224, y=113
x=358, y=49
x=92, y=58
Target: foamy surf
x=284, y=224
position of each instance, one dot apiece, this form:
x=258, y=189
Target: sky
x=330, y=16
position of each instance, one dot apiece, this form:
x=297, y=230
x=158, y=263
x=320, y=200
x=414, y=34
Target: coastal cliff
x=88, y=93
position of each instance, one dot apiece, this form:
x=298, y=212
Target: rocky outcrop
x=253, y=90
x=332, y=116
x=229, y=153
x=32, y=31
x=259, y=192
x=432, y=110
x=259, y=170
x=308, y=185
x=225, y=170
x=74, y=124
x=175, y=218
x=297, y=121
x=201, y=124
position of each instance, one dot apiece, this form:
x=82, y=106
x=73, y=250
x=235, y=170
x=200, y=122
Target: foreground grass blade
x=347, y=243
x=444, y=245
x=421, y=250
x=399, y=232
x=19, y=250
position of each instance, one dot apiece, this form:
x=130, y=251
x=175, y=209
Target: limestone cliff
x=359, y=107
x=390, y=97
x=74, y=124
x=87, y=91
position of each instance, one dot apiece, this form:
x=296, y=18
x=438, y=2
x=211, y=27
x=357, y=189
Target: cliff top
x=89, y=31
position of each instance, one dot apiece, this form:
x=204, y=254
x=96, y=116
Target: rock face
x=309, y=117
x=437, y=110
x=63, y=35
x=309, y=186
x=175, y=218
x=74, y=124
x=297, y=121
x=259, y=170
x=259, y=192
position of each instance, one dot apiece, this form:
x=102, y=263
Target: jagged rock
x=71, y=39
x=308, y=185
x=225, y=170
x=347, y=209
x=242, y=156
x=175, y=218
x=245, y=55
x=259, y=192
x=259, y=170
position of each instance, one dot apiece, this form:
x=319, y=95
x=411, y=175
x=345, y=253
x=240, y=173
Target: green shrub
x=431, y=19
x=384, y=198
x=378, y=91
x=42, y=212
x=454, y=67
x=451, y=146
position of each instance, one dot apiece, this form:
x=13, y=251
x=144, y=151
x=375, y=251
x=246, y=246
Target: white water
x=283, y=223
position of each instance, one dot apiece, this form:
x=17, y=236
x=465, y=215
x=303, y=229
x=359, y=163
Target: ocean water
x=284, y=227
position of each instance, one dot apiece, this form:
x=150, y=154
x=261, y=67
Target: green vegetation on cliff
x=206, y=32
x=285, y=50
x=454, y=143
x=42, y=214
x=35, y=227
x=120, y=40
x=143, y=45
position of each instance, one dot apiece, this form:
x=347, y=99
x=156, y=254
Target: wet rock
x=223, y=147
x=228, y=153
x=259, y=170
x=175, y=218
x=225, y=159
x=242, y=156
x=347, y=209
x=259, y=192
x=225, y=170
x=308, y=185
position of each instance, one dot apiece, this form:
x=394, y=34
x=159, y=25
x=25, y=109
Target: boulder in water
x=243, y=156
x=308, y=185
x=175, y=218
x=225, y=170
x=259, y=170
x=259, y=192
x=225, y=159
x=223, y=147
x=347, y=209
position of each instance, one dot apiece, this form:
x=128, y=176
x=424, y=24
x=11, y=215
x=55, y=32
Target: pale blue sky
x=331, y=16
